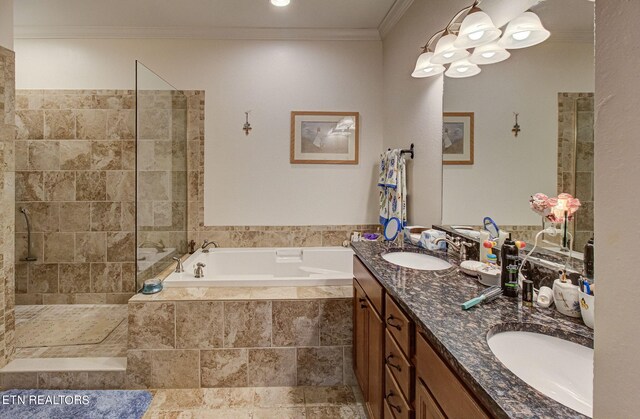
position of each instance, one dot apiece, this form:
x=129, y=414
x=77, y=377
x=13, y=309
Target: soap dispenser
x=565, y=296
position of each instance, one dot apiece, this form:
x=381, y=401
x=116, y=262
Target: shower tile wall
x=575, y=121
x=244, y=236
x=75, y=173
x=7, y=199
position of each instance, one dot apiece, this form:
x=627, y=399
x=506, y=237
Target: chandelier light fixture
x=471, y=39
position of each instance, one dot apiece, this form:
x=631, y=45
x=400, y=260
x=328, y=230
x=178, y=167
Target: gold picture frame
x=324, y=137
x=457, y=138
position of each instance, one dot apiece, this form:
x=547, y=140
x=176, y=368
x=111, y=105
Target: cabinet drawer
x=398, y=405
x=398, y=364
x=369, y=284
x=399, y=325
x=450, y=393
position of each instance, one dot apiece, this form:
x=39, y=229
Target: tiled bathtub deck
x=241, y=337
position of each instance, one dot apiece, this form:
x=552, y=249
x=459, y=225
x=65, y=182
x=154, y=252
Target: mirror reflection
x=524, y=126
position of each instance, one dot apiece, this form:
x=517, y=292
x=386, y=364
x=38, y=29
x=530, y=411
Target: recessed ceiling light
x=280, y=3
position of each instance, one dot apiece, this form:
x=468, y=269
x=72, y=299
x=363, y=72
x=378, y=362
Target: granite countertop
x=433, y=298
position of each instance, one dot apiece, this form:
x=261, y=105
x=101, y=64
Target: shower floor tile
x=114, y=344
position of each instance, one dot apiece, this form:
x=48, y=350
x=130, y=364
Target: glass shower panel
x=161, y=173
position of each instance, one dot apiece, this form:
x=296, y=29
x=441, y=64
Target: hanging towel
x=392, y=181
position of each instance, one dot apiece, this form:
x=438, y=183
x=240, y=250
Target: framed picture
x=324, y=137
x=457, y=138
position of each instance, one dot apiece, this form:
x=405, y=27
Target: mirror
x=550, y=88
x=392, y=228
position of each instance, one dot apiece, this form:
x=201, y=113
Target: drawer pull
x=390, y=319
x=396, y=407
x=387, y=360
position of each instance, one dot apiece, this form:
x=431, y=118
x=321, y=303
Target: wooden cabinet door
x=360, y=345
x=426, y=407
x=375, y=364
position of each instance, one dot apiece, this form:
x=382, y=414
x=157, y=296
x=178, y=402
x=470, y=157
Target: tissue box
x=412, y=234
x=428, y=237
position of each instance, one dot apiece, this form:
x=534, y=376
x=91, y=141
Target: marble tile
x=121, y=124
x=121, y=185
x=151, y=325
x=44, y=216
x=59, y=247
x=229, y=398
x=121, y=246
x=349, y=377
x=70, y=380
x=106, y=277
x=37, y=246
x=74, y=277
x=59, y=186
x=75, y=216
x=273, y=293
x=128, y=155
x=106, y=155
x=334, y=238
x=139, y=365
x=199, y=324
x=21, y=277
x=90, y=298
x=19, y=380
x=175, y=369
x=335, y=412
x=320, y=292
x=320, y=366
x=296, y=323
x=336, y=322
x=128, y=216
x=324, y=396
x=274, y=397
x=272, y=367
x=91, y=186
x=224, y=368
x=106, y=380
x=29, y=124
x=75, y=155
x=154, y=124
x=177, y=399
x=29, y=186
x=59, y=124
x=247, y=324
x=43, y=278
x=91, y=124
x=43, y=155
x=154, y=186
x=91, y=247
x=279, y=412
x=106, y=216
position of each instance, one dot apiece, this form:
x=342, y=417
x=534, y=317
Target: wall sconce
x=247, y=126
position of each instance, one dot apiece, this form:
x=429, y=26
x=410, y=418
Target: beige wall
x=7, y=200
x=6, y=24
x=617, y=190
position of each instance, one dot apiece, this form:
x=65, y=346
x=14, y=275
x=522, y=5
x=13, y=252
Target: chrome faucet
x=30, y=257
x=457, y=245
x=206, y=244
x=159, y=246
x=198, y=271
x=179, y=268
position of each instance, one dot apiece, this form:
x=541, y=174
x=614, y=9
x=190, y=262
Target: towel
x=392, y=181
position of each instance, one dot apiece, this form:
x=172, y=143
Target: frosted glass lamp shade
x=524, y=31
x=446, y=52
x=425, y=68
x=489, y=54
x=476, y=29
x=461, y=69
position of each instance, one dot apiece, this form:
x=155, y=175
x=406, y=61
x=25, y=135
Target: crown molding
x=121, y=32
x=394, y=15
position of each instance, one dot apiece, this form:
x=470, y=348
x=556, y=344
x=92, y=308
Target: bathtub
x=267, y=267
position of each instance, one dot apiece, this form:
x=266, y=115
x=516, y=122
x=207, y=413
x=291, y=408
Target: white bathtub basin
x=267, y=267
x=418, y=261
x=558, y=368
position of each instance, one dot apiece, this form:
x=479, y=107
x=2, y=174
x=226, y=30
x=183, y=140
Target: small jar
x=493, y=259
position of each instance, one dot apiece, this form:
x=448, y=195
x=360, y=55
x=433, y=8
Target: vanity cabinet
x=368, y=338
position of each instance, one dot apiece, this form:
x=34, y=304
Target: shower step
x=64, y=373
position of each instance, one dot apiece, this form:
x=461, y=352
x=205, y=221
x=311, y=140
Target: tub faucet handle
x=179, y=268
x=206, y=244
x=199, y=271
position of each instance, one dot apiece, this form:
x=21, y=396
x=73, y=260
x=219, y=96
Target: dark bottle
x=510, y=265
x=588, y=259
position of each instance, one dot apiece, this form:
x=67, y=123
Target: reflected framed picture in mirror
x=457, y=138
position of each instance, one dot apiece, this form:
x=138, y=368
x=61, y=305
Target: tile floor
x=113, y=345
x=258, y=403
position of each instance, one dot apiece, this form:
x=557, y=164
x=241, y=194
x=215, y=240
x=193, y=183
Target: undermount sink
x=558, y=368
x=418, y=261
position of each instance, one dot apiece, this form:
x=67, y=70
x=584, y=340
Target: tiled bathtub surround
x=75, y=162
x=7, y=200
x=228, y=341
